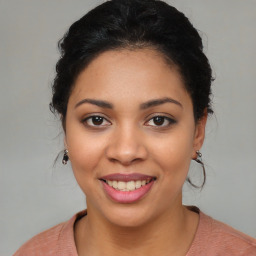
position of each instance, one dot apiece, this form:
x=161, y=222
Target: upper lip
x=127, y=177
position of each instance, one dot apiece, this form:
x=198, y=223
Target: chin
x=129, y=219
x=126, y=215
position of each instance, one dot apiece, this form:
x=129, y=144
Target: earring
x=199, y=154
x=65, y=157
x=198, y=159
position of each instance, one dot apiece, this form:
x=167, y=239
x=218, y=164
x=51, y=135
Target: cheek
x=173, y=154
x=85, y=152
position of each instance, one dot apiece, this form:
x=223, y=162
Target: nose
x=127, y=146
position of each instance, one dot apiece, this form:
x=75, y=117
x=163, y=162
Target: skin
x=130, y=141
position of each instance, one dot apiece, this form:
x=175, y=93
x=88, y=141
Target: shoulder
x=58, y=240
x=45, y=242
x=216, y=238
x=228, y=239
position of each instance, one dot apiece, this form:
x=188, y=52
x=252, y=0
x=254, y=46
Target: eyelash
x=166, y=119
x=85, y=121
x=103, y=119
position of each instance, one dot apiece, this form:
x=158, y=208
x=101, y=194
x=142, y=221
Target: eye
x=160, y=121
x=96, y=121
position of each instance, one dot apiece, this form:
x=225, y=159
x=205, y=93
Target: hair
x=134, y=24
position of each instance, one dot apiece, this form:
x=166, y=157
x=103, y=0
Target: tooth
x=121, y=185
x=130, y=185
x=127, y=186
x=138, y=183
x=110, y=182
x=114, y=184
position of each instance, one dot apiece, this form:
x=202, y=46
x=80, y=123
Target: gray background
x=34, y=195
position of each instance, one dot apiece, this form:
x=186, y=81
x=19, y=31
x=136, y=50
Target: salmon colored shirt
x=212, y=238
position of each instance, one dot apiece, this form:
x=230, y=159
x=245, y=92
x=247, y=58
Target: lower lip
x=126, y=197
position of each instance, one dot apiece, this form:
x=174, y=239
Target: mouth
x=127, y=188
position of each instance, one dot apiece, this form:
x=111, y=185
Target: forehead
x=134, y=74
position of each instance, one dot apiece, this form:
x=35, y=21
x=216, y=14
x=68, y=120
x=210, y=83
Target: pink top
x=212, y=238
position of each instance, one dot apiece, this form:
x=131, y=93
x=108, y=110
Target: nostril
x=126, y=147
x=126, y=156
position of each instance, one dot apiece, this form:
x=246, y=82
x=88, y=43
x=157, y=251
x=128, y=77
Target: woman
x=133, y=90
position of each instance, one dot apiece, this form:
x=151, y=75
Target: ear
x=199, y=133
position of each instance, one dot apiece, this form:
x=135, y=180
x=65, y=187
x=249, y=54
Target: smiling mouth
x=127, y=186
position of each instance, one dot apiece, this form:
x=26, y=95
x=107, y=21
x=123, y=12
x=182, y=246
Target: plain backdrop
x=34, y=195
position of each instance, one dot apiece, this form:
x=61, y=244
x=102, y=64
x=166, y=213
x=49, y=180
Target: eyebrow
x=99, y=103
x=157, y=102
x=145, y=105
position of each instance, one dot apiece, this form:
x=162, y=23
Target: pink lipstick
x=127, y=188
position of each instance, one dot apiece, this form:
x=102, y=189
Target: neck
x=169, y=234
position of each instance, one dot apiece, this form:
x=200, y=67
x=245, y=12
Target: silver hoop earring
x=65, y=157
x=198, y=159
x=199, y=154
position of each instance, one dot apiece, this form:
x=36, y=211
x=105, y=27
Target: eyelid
x=170, y=119
x=162, y=114
x=88, y=116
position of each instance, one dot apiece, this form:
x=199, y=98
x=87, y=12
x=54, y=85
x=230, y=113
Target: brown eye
x=96, y=121
x=160, y=121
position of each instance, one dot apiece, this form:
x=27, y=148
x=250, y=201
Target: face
x=131, y=135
